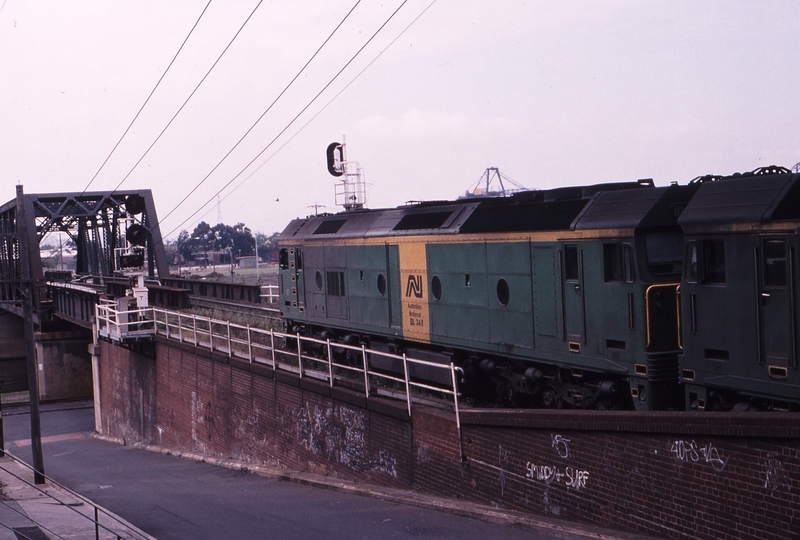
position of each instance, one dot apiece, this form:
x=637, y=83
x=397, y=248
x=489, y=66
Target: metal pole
x=300, y=355
x=96, y=524
x=258, y=276
x=27, y=304
x=366, y=369
x=272, y=347
x=230, y=349
x=2, y=436
x=249, y=345
x=455, y=406
x=408, y=384
x=330, y=364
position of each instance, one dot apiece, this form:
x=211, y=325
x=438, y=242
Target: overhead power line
x=153, y=91
x=293, y=120
x=191, y=95
x=252, y=127
x=339, y=93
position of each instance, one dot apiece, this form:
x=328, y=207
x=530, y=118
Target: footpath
x=48, y=511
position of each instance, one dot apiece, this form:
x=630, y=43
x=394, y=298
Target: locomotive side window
x=335, y=282
x=618, y=263
x=283, y=259
x=775, y=263
x=571, y=262
x=713, y=257
x=691, y=262
x=318, y=280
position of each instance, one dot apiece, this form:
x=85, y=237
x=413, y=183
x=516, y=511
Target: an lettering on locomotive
x=414, y=287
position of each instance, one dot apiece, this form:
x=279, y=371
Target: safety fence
x=269, y=293
x=394, y=376
x=105, y=524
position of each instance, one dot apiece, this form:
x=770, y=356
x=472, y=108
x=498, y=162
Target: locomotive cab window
x=618, y=263
x=283, y=259
x=690, y=269
x=705, y=262
x=775, y=263
x=664, y=252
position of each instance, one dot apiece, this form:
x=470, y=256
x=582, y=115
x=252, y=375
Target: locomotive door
x=776, y=302
x=573, y=295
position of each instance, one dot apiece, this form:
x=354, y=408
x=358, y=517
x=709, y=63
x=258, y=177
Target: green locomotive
x=605, y=296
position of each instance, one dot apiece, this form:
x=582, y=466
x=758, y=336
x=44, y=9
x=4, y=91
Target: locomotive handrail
x=306, y=356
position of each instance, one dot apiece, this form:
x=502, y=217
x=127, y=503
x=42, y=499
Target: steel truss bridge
x=105, y=227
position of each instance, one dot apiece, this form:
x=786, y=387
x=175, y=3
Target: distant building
x=248, y=262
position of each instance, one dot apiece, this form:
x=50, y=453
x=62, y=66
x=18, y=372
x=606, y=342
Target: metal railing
x=120, y=324
x=118, y=525
x=270, y=293
x=337, y=364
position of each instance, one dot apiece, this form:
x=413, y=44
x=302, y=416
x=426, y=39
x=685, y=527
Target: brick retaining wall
x=681, y=475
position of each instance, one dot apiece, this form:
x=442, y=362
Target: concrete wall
x=64, y=363
x=65, y=367
x=13, y=361
x=668, y=474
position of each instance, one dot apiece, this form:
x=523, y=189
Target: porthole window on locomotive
x=318, y=280
x=503, y=293
x=436, y=288
x=381, y=284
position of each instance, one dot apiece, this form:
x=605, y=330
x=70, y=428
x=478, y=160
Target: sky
x=552, y=93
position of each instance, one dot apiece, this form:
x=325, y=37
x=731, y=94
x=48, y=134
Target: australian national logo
x=414, y=286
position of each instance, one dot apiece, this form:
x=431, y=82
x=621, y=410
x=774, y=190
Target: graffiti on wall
x=339, y=434
x=571, y=477
x=690, y=451
x=775, y=475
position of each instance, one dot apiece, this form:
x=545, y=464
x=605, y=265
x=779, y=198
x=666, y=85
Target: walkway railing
x=121, y=324
x=113, y=525
x=337, y=364
x=270, y=293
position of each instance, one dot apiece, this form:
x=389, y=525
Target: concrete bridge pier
x=64, y=364
x=63, y=360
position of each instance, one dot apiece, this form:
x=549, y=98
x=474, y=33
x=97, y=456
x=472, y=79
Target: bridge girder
x=96, y=221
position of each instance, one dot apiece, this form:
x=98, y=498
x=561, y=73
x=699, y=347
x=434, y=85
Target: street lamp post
x=258, y=277
x=255, y=242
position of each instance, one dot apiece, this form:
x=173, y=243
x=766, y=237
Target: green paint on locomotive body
x=594, y=279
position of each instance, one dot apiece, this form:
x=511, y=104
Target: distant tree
x=267, y=245
x=220, y=237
